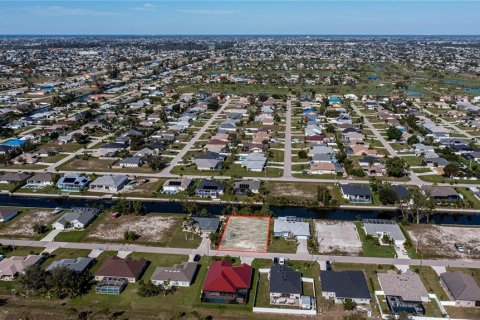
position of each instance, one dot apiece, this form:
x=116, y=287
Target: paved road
x=206, y=251
x=53, y=166
x=287, y=158
x=414, y=179
x=166, y=172
x=446, y=123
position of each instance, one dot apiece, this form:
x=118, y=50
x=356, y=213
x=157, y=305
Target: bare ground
x=150, y=228
x=337, y=237
x=246, y=234
x=439, y=241
x=306, y=191
x=24, y=222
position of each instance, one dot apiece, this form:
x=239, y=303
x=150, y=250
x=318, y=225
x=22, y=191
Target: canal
x=216, y=209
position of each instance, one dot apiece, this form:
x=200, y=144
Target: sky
x=182, y=17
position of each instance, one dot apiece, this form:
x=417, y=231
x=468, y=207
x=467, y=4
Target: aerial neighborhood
x=256, y=177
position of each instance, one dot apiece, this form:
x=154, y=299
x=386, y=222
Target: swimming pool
x=414, y=93
x=472, y=90
x=14, y=143
x=334, y=99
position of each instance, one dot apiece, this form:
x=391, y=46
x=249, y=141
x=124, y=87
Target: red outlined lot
x=245, y=234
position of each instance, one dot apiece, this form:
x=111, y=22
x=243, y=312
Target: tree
x=396, y=167
x=451, y=170
x=349, y=304
x=323, y=195
x=422, y=205
x=155, y=162
x=386, y=194
x=39, y=228
x=412, y=140
x=214, y=238
x=394, y=134
x=130, y=236
x=80, y=138
x=302, y=154
x=113, y=72
x=32, y=282
x=148, y=289
x=213, y=104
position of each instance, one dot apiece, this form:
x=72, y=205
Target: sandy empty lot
x=245, y=234
x=306, y=191
x=150, y=228
x=337, y=236
x=24, y=222
x=439, y=241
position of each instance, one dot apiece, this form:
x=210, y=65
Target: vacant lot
x=150, y=228
x=305, y=191
x=245, y=234
x=438, y=241
x=22, y=225
x=337, y=237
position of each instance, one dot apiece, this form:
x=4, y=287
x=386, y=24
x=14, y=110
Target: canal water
x=216, y=209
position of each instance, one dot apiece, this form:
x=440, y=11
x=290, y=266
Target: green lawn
x=469, y=198
x=371, y=248
x=412, y=161
x=282, y=245
x=421, y=170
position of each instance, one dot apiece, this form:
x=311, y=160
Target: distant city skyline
x=240, y=17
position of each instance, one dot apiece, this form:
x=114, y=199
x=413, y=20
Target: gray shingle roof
x=349, y=284
x=462, y=286
x=76, y=265
x=285, y=280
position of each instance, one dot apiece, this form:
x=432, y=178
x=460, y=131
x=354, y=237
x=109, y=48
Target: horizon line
x=234, y=34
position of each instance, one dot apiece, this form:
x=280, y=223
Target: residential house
x=285, y=286
x=254, y=162
x=7, y=214
x=218, y=146
x=246, y=187
x=206, y=224
x=208, y=164
x=109, y=183
x=404, y=292
x=356, y=193
x=109, y=149
x=14, y=177
x=345, y=285
x=322, y=168
x=131, y=162
x=13, y=266
x=227, y=284
x=462, y=288
x=291, y=227
x=40, y=180
x=72, y=182
x=77, y=218
x=180, y=275
x=77, y=265
x=210, y=188
x=116, y=267
x=26, y=158
x=442, y=193
x=380, y=228
x=174, y=186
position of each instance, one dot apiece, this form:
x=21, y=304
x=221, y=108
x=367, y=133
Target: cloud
x=208, y=11
x=145, y=7
x=66, y=11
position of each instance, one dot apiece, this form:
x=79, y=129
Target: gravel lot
x=23, y=223
x=150, y=228
x=245, y=234
x=439, y=241
x=337, y=237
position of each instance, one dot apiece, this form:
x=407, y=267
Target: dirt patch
x=337, y=237
x=439, y=241
x=305, y=191
x=24, y=222
x=150, y=228
x=245, y=234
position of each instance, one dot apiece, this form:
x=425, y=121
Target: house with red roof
x=227, y=284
